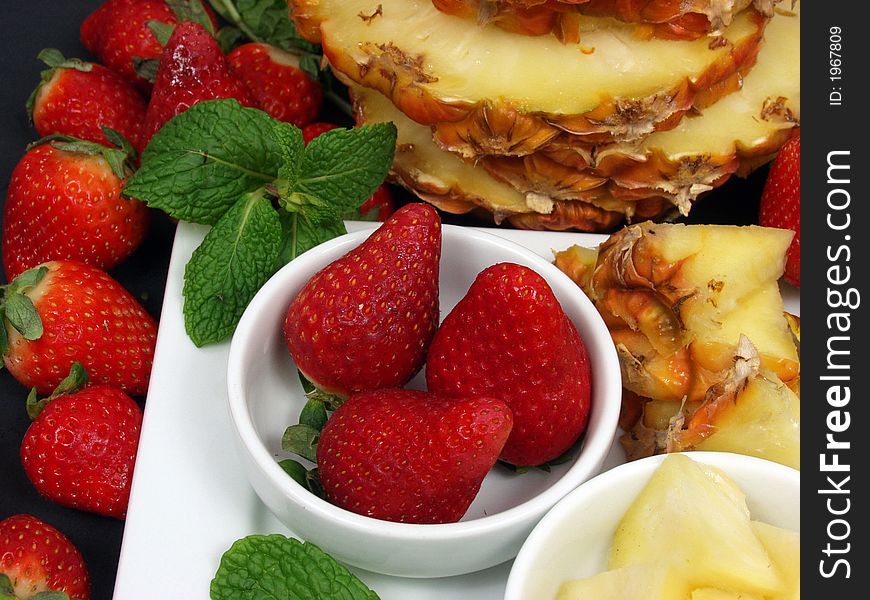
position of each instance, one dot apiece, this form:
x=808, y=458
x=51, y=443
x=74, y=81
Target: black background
x=27, y=27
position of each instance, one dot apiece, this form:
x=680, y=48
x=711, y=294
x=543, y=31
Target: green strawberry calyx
x=72, y=383
x=17, y=309
x=55, y=61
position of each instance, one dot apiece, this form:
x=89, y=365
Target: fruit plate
x=190, y=498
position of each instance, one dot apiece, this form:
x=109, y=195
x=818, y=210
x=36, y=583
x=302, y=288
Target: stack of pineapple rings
x=573, y=114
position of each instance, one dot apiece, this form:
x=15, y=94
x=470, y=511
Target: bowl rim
x=595, y=446
x=607, y=480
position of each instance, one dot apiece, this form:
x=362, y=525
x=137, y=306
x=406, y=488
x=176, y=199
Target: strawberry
x=781, y=203
x=312, y=130
x=510, y=339
x=35, y=557
x=64, y=311
x=280, y=87
x=78, y=99
x=410, y=456
x=380, y=205
x=117, y=33
x=192, y=68
x=365, y=321
x=80, y=449
x=64, y=202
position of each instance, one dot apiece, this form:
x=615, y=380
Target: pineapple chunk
x=784, y=548
x=697, y=520
x=717, y=594
x=650, y=581
x=678, y=298
x=449, y=73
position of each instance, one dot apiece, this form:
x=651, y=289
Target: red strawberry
x=36, y=558
x=410, y=456
x=192, y=68
x=117, y=33
x=510, y=339
x=64, y=202
x=380, y=205
x=365, y=321
x=281, y=88
x=313, y=130
x=81, y=447
x=781, y=203
x=79, y=98
x=65, y=311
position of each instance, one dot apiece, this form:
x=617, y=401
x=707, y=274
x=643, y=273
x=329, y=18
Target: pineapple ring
x=487, y=91
x=735, y=135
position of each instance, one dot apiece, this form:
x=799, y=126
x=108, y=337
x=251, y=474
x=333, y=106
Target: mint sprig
x=268, y=197
x=275, y=566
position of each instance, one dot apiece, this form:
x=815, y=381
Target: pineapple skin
x=667, y=19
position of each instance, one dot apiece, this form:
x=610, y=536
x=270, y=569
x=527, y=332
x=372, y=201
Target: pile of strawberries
x=70, y=331
x=507, y=374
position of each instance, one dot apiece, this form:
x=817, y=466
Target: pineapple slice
x=784, y=548
x=736, y=134
x=717, y=594
x=678, y=298
x=650, y=581
x=455, y=186
x=696, y=519
x=662, y=18
x=450, y=73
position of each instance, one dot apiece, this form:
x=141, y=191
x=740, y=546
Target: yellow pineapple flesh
x=784, y=548
x=650, y=581
x=696, y=519
x=450, y=73
x=719, y=594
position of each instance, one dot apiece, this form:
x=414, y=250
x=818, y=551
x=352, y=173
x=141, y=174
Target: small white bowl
x=265, y=397
x=572, y=541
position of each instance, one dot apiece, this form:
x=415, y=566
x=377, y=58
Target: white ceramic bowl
x=265, y=397
x=573, y=539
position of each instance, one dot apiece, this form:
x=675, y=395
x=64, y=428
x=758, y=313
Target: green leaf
x=295, y=470
x=50, y=596
x=264, y=21
x=292, y=146
x=301, y=235
x=199, y=164
x=234, y=260
x=23, y=316
x=162, y=31
x=76, y=380
x=314, y=414
x=28, y=279
x=262, y=567
x=347, y=165
x=191, y=10
x=302, y=440
x=6, y=589
x=4, y=336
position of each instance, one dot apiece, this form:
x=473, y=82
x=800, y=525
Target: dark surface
x=29, y=26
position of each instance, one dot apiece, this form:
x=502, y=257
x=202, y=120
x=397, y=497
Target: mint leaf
x=347, y=165
x=234, y=260
x=199, y=164
x=273, y=566
x=292, y=145
x=301, y=235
